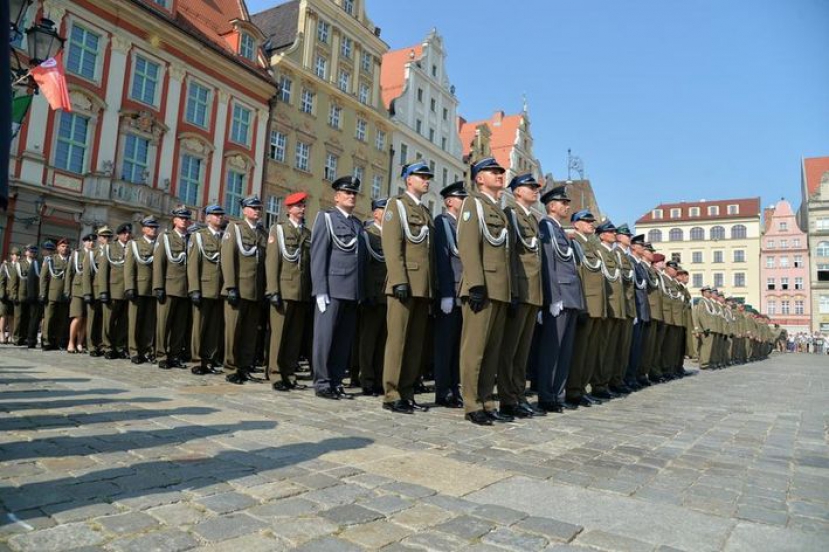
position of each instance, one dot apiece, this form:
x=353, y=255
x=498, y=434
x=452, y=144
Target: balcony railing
x=121, y=192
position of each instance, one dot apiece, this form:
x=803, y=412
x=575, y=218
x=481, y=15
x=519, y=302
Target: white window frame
x=278, y=146
x=676, y=212
x=306, y=104
x=346, y=47
x=321, y=67
x=206, y=104
x=360, y=129
x=248, y=124
x=273, y=207
x=323, y=31
x=146, y=163
x=733, y=209
x=713, y=210
x=186, y=181
x=366, y=61
x=380, y=140
x=233, y=206
x=72, y=143
x=364, y=93
x=376, y=186
x=302, y=157
x=335, y=116
x=344, y=81
x=101, y=48
x=159, y=83
x=330, y=169
x=285, y=91
x=657, y=213
x=247, y=46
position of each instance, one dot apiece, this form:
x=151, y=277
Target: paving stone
x=498, y=514
x=408, y=489
x=550, y=528
x=227, y=502
x=510, y=539
x=421, y=516
x=300, y=530
x=317, y=481
x=123, y=524
x=388, y=504
x=329, y=544
x=761, y=515
x=435, y=541
x=609, y=541
x=170, y=540
x=465, y=527
x=228, y=527
x=337, y=495
x=350, y=514
x=287, y=507
x=376, y=534
x=63, y=537
x=67, y=513
x=247, y=543
x=175, y=515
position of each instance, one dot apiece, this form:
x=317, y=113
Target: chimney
x=497, y=118
x=768, y=212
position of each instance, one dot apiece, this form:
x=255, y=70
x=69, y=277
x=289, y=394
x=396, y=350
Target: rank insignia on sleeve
x=466, y=216
x=389, y=214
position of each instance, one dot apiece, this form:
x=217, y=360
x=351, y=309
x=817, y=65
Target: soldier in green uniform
x=7, y=268
x=485, y=290
x=74, y=288
x=527, y=299
x=622, y=251
x=408, y=248
x=170, y=289
x=646, y=374
x=243, y=280
x=674, y=359
x=657, y=373
x=204, y=286
x=589, y=327
x=612, y=326
x=94, y=312
x=19, y=291
x=288, y=289
x=373, y=311
x=109, y=285
x=55, y=334
x=703, y=314
x=138, y=290
x=682, y=277
x=34, y=303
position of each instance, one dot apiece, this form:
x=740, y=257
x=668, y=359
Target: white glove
x=447, y=304
x=636, y=320
x=323, y=302
x=555, y=308
x=541, y=317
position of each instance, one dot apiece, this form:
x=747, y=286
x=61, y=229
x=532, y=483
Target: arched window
x=675, y=234
x=697, y=233
x=655, y=236
x=823, y=249
x=717, y=233
x=738, y=231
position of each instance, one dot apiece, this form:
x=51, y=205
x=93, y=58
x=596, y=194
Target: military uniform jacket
x=703, y=315
x=592, y=279
x=376, y=263
x=73, y=282
x=677, y=303
x=17, y=279
x=204, y=273
x=5, y=267
x=407, y=246
x=170, y=263
x=687, y=318
x=243, y=260
x=640, y=289
x=612, y=271
x=91, y=272
x=52, y=277
x=447, y=257
x=483, y=243
x=338, y=256
x=32, y=280
x=559, y=271
x=138, y=267
x=525, y=255
x=627, y=281
x=667, y=298
x=111, y=262
x=655, y=295
x=288, y=262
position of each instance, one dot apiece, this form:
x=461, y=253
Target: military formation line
x=482, y=297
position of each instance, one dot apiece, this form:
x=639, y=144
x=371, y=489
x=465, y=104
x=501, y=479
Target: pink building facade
x=784, y=270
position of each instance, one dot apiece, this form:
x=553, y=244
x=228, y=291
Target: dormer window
x=657, y=213
x=247, y=47
x=348, y=6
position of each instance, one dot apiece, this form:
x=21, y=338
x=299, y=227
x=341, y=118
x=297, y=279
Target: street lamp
x=44, y=41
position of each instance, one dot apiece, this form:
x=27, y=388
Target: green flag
x=20, y=106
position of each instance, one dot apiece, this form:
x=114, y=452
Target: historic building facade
x=423, y=108
x=813, y=217
x=329, y=119
x=718, y=242
x=509, y=140
x=784, y=270
x=170, y=102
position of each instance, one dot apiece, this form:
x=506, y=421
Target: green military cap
x=105, y=231
x=624, y=230
x=15, y=251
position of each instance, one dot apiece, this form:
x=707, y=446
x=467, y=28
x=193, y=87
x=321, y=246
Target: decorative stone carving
x=194, y=145
x=223, y=96
x=80, y=101
x=177, y=71
x=238, y=162
x=54, y=10
x=146, y=123
x=121, y=44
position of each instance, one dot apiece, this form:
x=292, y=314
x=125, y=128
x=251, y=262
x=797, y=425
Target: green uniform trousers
x=286, y=325
x=406, y=333
x=207, y=335
x=372, y=347
x=115, y=326
x=585, y=358
x=481, y=336
x=515, y=351
x=241, y=326
x=141, y=321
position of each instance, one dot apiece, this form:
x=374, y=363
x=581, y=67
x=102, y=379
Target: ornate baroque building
x=813, y=217
x=329, y=119
x=170, y=102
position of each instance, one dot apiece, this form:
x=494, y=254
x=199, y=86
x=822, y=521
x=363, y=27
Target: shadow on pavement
x=54, y=393
x=170, y=476
x=49, y=405
x=51, y=421
x=7, y=381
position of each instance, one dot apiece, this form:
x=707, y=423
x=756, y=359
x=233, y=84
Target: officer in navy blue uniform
x=338, y=263
x=563, y=301
x=642, y=324
x=448, y=320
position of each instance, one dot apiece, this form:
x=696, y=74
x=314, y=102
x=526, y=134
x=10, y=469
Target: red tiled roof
x=504, y=131
x=748, y=208
x=813, y=170
x=393, y=71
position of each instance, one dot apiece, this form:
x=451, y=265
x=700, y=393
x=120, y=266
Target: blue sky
x=663, y=100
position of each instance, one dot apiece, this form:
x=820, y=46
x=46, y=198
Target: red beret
x=294, y=198
x=658, y=257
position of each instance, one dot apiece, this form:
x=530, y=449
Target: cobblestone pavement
x=103, y=455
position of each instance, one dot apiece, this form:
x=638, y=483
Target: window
x=798, y=282
x=432, y=135
x=676, y=213
x=784, y=283
x=82, y=58
x=144, y=80
x=713, y=210
x=360, y=133
x=739, y=279
x=799, y=308
x=234, y=190
x=433, y=105
x=770, y=284
x=784, y=262
x=323, y=31
x=334, y=113
x=419, y=126
x=443, y=143
x=247, y=47
x=285, y=85
x=784, y=307
x=359, y=171
x=240, y=127
x=344, y=82
x=278, y=145
x=738, y=232
x=675, y=234
x=769, y=262
x=348, y=6
x=657, y=213
x=420, y=95
x=321, y=67
x=822, y=249
x=823, y=304
x=696, y=257
x=445, y=114
x=364, y=93
x=798, y=261
x=784, y=226
x=796, y=242
x=376, y=186
x=307, y=101
x=717, y=233
x=739, y=256
x=784, y=244
x=697, y=280
x=70, y=148
x=771, y=308
x=822, y=223
x=189, y=179
x=365, y=62
x=655, y=236
x=303, y=153
x=693, y=211
x=434, y=70
x=404, y=153
x=272, y=209
x=198, y=100
x=346, y=46
x=718, y=256
x=718, y=279
x=697, y=234
x=733, y=209
x=770, y=244
x=445, y=176
x=136, y=159
x=330, y=172
x=380, y=140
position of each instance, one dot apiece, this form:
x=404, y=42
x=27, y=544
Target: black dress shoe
x=620, y=390
x=515, y=411
x=593, y=400
x=479, y=417
x=339, y=390
x=550, y=407
x=95, y=353
x=368, y=391
x=282, y=385
x=200, y=370
x=166, y=365
x=237, y=378
x=399, y=406
x=450, y=401
x=112, y=355
x=532, y=409
x=603, y=395
x=327, y=394
x=496, y=416
x=569, y=405
x=585, y=402
x=643, y=382
x=138, y=360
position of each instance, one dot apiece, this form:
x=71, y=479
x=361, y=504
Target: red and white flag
x=51, y=79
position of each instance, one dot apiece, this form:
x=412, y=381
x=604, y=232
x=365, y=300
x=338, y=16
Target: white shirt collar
x=492, y=199
x=295, y=224
x=346, y=215
x=526, y=211
x=608, y=247
x=180, y=235
x=252, y=226
x=214, y=232
x=451, y=214
x=148, y=239
x=411, y=195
